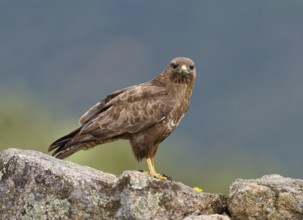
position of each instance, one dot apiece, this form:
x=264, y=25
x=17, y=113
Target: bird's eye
x=174, y=65
x=191, y=67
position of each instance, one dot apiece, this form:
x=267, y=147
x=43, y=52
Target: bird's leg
x=151, y=170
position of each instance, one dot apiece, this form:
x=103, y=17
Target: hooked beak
x=183, y=70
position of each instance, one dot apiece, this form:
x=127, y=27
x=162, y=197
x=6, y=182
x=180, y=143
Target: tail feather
x=75, y=141
x=64, y=146
x=62, y=153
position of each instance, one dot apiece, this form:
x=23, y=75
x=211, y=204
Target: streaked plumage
x=145, y=114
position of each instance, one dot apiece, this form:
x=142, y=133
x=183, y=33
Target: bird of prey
x=145, y=114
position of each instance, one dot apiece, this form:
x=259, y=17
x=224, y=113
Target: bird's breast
x=172, y=124
x=174, y=118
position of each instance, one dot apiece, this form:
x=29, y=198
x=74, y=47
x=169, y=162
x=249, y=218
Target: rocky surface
x=207, y=217
x=270, y=197
x=37, y=186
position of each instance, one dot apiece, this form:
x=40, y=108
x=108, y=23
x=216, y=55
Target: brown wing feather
x=132, y=110
x=123, y=112
x=99, y=107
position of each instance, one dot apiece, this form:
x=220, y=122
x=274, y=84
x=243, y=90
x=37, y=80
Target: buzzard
x=144, y=114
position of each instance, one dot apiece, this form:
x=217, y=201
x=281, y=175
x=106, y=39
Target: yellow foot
x=152, y=172
x=157, y=175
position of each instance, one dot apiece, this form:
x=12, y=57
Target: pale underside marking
x=173, y=124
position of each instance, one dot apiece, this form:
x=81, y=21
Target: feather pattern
x=145, y=114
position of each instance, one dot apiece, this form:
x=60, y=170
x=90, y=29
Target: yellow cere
x=183, y=67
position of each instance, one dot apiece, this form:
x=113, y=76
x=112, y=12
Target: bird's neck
x=176, y=86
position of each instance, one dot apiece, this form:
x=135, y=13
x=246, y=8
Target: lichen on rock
x=37, y=186
x=34, y=185
x=269, y=197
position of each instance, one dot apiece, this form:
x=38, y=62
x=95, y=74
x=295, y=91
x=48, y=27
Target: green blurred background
x=57, y=59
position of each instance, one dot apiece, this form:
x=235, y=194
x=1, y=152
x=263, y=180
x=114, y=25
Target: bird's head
x=182, y=67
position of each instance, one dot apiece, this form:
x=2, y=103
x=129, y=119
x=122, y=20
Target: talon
x=159, y=176
x=168, y=178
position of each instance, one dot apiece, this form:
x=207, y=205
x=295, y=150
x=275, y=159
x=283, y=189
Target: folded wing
x=121, y=113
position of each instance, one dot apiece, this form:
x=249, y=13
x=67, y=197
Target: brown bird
x=144, y=114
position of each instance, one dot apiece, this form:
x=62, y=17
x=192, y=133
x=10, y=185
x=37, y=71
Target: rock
x=207, y=217
x=37, y=186
x=270, y=197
